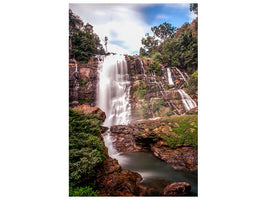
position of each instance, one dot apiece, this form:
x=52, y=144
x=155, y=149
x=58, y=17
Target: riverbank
x=172, y=139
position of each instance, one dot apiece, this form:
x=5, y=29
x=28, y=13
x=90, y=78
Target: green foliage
x=144, y=111
x=87, y=124
x=86, y=149
x=194, y=8
x=192, y=86
x=185, y=133
x=140, y=94
x=164, y=31
x=82, y=191
x=155, y=67
x=75, y=23
x=181, y=51
x=149, y=44
x=131, y=57
x=139, y=89
x=157, y=104
x=178, y=49
x=83, y=82
x=83, y=41
x=156, y=57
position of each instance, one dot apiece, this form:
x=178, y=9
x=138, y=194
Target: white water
x=113, y=95
x=142, y=65
x=181, y=75
x=162, y=91
x=76, y=82
x=169, y=76
x=188, y=102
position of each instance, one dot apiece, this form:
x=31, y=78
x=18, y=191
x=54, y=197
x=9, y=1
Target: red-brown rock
x=177, y=189
x=124, y=183
x=88, y=109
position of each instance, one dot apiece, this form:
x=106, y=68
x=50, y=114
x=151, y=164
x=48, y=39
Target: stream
x=113, y=99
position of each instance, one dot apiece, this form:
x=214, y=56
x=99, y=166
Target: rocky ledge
x=115, y=181
x=150, y=136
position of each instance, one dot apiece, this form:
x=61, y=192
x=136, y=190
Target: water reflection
x=156, y=173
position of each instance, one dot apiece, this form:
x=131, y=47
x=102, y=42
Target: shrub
x=79, y=122
x=139, y=89
x=186, y=133
x=156, y=68
x=82, y=191
x=192, y=86
x=83, y=82
x=144, y=111
x=157, y=104
x=86, y=149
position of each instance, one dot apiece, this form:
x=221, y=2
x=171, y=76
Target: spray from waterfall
x=113, y=95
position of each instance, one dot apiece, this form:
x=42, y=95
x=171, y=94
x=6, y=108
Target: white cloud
x=119, y=22
x=177, y=5
x=162, y=17
x=191, y=16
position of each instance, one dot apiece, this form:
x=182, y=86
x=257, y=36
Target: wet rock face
x=180, y=158
x=149, y=136
x=94, y=110
x=113, y=181
x=156, y=85
x=83, y=83
x=177, y=189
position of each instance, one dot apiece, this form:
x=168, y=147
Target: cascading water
x=113, y=95
x=188, y=102
x=181, y=75
x=76, y=84
x=142, y=65
x=169, y=76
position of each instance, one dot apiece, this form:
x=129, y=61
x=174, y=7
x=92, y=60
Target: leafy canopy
x=164, y=31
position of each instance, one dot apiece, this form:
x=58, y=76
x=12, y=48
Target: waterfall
x=76, y=84
x=181, y=75
x=188, y=102
x=160, y=86
x=113, y=94
x=142, y=65
x=169, y=76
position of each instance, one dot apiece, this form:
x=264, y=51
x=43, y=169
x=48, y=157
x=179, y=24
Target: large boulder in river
x=177, y=189
x=94, y=110
x=120, y=183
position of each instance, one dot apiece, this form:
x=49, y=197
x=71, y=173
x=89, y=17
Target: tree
x=75, y=23
x=194, y=8
x=164, y=31
x=106, y=43
x=83, y=41
x=88, y=28
x=150, y=43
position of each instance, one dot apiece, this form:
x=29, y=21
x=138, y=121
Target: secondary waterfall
x=188, y=102
x=169, y=76
x=181, y=74
x=76, y=84
x=113, y=94
x=142, y=65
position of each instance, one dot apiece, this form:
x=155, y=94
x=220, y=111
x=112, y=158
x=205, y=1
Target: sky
x=126, y=24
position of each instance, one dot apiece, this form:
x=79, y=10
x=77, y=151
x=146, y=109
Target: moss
x=157, y=104
x=83, y=82
x=185, y=132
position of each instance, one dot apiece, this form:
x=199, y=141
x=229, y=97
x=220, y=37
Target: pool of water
x=156, y=173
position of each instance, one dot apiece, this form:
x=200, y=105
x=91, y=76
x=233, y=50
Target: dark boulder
x=177, y=189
